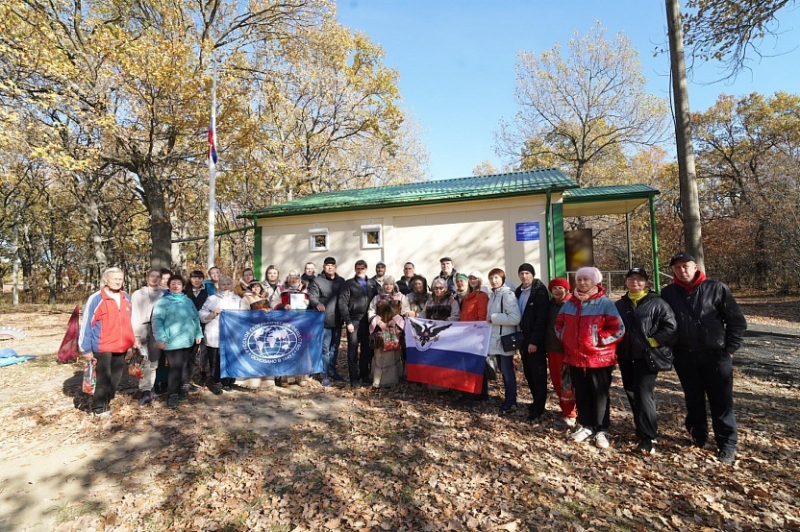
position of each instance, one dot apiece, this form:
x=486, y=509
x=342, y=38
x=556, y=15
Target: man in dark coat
x=534, y=305
x=323, y=295
x=199, y=369
x=354, y=302
x=710, y=329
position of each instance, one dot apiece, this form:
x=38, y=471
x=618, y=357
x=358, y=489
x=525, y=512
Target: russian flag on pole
x=447, y=353
x=212, y=142
x=254, y=343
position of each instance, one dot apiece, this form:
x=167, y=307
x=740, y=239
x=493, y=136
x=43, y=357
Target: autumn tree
x=578, y=106
x=118, y=94
x=731, y=32
x=749, y=176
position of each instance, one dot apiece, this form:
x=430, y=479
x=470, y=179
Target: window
x=318, y=239
x=371, y=236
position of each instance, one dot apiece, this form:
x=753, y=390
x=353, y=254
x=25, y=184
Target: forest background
x=105, y=108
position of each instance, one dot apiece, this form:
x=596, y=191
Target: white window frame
x=312, y=239
x=365, y=229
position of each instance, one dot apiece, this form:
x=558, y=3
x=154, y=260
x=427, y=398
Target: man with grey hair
x=106, y=335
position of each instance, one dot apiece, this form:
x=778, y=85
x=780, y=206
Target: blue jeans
x=509, y=379
x=330, y=350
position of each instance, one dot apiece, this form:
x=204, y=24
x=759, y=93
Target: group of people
x=578, y=334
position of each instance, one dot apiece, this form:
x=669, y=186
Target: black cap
x=637, y=271
x=329, y=260
x=682, y=256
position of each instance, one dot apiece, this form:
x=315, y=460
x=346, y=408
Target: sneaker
x=172, y=401
x=336, y=377
x=269, y=383
x=325, y=381
x=184, y=395
x=195, y=386
x=355, y=384
x=582, y=434
x=302, y=381
x=570, y=421
x=147, y=398
x=727, y=457
x=227, y=387
x=101, y=414
x=601, y=440
x=646, y=447
x=216, y=389
x=508, y=409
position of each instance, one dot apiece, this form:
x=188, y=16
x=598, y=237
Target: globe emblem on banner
x=272, y=342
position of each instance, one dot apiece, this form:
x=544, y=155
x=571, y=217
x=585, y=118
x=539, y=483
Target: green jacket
x=175, y=322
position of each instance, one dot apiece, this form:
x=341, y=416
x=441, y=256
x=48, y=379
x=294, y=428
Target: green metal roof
x=424, y=193
x=612, y=192
x=598, y=201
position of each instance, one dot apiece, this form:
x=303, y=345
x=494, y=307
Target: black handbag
x=659, y=358
x=513, y=341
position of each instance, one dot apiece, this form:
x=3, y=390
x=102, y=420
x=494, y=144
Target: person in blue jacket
x=176, y=327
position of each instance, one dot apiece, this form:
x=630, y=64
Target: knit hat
x=526, y=267
x=462, y=276
x=558, y=281
x=591, y=272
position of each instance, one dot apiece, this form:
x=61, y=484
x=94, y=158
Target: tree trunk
x=98, y=245
x=690, y=204
x=160, y=224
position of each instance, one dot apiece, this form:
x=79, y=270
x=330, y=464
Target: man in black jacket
x=534, y=305
x=199, y=370
x=710, y=329
x=354, y=301
x=323, y=295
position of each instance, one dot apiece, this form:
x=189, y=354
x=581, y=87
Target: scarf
x=698, y=278
x=584, y=296
x=636, y=297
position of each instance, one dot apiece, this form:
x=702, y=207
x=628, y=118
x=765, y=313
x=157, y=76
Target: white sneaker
x=570, y=421
x=601, y=440
x=582, y=434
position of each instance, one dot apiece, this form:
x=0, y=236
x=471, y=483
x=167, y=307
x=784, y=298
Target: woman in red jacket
x=589, y=325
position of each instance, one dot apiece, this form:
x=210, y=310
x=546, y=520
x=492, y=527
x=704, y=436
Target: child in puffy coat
x=590, y=326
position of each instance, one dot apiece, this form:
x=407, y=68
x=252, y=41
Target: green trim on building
x=559, y=248
x=424, y=193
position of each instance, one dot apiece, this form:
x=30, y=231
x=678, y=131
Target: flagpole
x=212, y=167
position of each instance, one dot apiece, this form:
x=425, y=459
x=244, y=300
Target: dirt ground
x=401, y=459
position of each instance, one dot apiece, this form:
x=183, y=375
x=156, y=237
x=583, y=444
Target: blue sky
x=456, y=61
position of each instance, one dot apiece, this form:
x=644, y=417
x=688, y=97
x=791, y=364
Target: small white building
x=480, y=222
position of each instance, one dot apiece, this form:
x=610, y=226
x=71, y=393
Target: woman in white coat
x=222, y=299
x=503, y=313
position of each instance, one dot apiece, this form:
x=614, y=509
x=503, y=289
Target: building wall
x=477, y=235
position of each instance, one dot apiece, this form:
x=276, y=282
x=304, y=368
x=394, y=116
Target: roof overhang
x=599, y=201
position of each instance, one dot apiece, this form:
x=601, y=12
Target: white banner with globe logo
x=254, y=343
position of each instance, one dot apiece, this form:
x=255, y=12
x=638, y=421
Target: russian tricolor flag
x=212, y=143
x=445, y=353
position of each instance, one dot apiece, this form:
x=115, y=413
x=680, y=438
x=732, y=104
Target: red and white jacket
x=590, y=329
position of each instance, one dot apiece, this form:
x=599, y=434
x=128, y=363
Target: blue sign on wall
x=527, y=231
